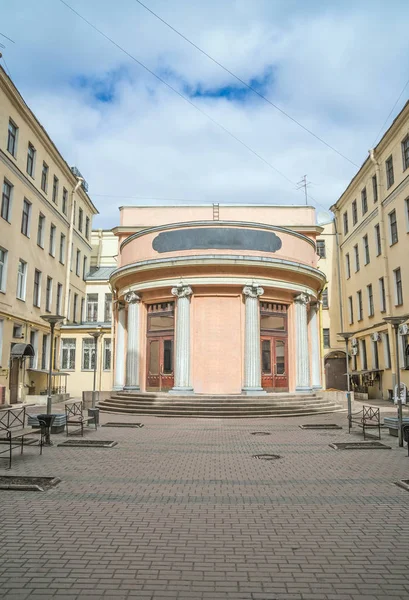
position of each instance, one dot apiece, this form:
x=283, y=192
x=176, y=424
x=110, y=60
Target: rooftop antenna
x=304, y=184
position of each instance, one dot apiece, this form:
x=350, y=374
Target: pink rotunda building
x=217, y=300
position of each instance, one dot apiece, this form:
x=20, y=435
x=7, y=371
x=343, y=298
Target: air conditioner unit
x=404, y=329
x=354, y=342
x=354, y=351
x=375, y=337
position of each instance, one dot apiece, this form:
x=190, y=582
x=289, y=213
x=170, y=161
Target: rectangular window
x=108, y=308
x=82, y=310
x=34, y=343
x=64, y=201
x=12, y=138
x=52, y=240
x=68, y=354
x=48, y=294
x=87, y=227
x=364, y=360
x=3, y=269
x=347, y=266
x=382, y=295
x=366, y=249
x=386, y=351
x=351, y=310
x=80, y=219
x=393, y=228
x=78, y=263
x=92, y=308
x=25, y=218
x=84, y=268
x=378, y=240
x=364, y=201
x=359, y=303
x=88, y=354
x=107, y=354
x=375, y=355
x=405, y=152
x=31, y=153
x=324, y=298
x=370, y=300
x=41, y=230
x=59, y=299
x=74, y=318
x=55, y=189
x=354, y=213
x=62, y=249
x=21, y=280
x=356, y=251
x=37, y=288
x=44, y=353
x=398, y=287
x=390, y=178
x=6, y=201
x=375, y=188
x=321, y=248
x=345, y=223
x=326, y=339
x=44, y=177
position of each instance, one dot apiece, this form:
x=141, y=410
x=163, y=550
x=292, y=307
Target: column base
x=179, y=391
x=303, y=389
x=253, y=391
x=317, y=388
x=132, y=388
x=117, y=388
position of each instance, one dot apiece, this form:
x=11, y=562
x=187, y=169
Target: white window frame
x=34, y=342
x=21, y=281
x=371, y=307
x=391, y=241
x=94, y=304
x=359, y=303
x=367, y=256
x=59, y=298
x=348, y=265
x=37, y=301
x=351, y=309
x=28, y=203
x=363, y=354
x=386, y=350
x=10, y=200
x=40, y=238
x=3, y=276
x=107, y=342
x=378, y=239
x=53, y=235
x=357, y=259
x=88, y=344
x=49, y=294
x=395, y=279
x=15, y=135
x=78, y=263
x=30, y=145
x=63, y=241
x=70, y=346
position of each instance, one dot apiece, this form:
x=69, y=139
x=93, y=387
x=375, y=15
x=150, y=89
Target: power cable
x=7, y=38
x=317, y=137
x=178, y=93
x=7, y=69
x=393, y=108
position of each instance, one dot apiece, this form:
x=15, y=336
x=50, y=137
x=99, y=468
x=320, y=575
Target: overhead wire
x=393, y=108
x=248, y=86
x=168, y=85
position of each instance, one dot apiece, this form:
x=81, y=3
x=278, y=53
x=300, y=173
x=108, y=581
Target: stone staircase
x=234, y=406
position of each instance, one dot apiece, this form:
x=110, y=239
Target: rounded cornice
x=217, y=259
x=239, y=224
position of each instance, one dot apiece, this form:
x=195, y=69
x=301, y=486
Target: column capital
x=182, y=291
x=302, y=298
x=315, y=305
x=132, y=298
x=253, y=290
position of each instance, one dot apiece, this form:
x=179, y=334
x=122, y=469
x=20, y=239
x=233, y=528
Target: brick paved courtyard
x=180, y=509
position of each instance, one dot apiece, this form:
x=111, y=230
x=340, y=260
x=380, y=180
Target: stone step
x=238, y=408
x=183, y=414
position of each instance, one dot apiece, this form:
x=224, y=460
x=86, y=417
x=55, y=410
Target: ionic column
x=119, y=380
x=315, y=347
x=252, y=358
x=182, y=342
x=132, y=350
x=302, y=358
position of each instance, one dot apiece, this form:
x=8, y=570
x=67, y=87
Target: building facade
x=79, y=355
x=372, y=223
x=333, y=348
x=217, y=300
x=45, y=228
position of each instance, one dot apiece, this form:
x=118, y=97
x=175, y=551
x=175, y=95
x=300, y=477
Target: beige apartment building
x=332, y=347
x=45, y=247
x=372, y=222
x=78, y=349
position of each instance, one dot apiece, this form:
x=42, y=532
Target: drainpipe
x=385, y=262
x=340, y=294
x=69, y=256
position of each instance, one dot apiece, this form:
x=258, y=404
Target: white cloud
x=337, y=69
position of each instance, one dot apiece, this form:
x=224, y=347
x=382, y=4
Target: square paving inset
x=359, y=446
x=89, y=443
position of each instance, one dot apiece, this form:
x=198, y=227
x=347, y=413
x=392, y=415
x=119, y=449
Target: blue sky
x=337, y=67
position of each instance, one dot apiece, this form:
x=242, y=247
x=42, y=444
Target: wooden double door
x=274, y=363
x=160, y=376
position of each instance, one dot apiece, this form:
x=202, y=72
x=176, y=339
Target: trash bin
x=46, y=421
x=94, y=412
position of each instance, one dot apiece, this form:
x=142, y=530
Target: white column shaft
x=302, y=351
x=315, y=348
x=252, y=352
x=182, y=342
x=133, y=354
x=119, y=380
